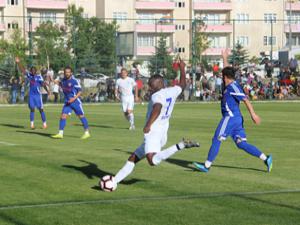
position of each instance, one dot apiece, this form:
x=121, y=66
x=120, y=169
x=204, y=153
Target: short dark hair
x=33, y=68
x=156, y=77
x=228, y=72
x=68, y=68
x=124, y=69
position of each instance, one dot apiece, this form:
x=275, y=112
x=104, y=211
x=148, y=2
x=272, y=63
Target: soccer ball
x=108, y=184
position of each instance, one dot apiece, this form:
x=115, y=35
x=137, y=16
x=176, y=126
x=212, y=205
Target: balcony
x=2, y=3
x=47, y=4
x=294, y=6
x=294, y=27
x=154, y=5
x=146, y=51
x=225, y=5
x=214, y=51
x=152, y=28
x=219, y=28
x=2, y=27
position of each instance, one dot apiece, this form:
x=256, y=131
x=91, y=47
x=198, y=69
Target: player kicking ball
x=124, y=87
x=232, y=123
x=159, y=112
x=36, y=81
x=72, y=92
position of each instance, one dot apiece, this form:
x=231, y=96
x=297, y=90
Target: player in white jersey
x=124, y=92
x=156, y=129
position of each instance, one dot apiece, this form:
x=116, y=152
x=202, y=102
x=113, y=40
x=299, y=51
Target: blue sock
x=31, y=116
x=214, y=149
x=62, y=124
x=250, y=149
x=43, y=115
x=84, y=123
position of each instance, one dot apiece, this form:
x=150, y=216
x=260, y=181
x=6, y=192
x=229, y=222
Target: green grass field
x=55, y=182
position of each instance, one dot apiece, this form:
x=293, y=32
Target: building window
x=120, y=17
x=269, y=40
x=146, y=41
x=293, y=18
x=243, y=40
x=179, y=27
x=270, y=17
x=179, y=50
x=12, y=25
x=145, y=18
x=12, y=2
x=48, y=17
x=180, y=4
x=242, y=18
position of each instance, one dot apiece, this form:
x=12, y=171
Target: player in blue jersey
x=232, y=122
x=36, y=82
x=72, y=92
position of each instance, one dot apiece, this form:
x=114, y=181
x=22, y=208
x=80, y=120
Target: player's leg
x=40, y=106
x=31, y=106
x=155, y=140
x=240, y=139
x=77, y=107
x=124, y=104
x=130, y=107
x=220, y=135
x=62, y=122
x=127, y=169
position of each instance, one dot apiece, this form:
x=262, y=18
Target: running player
x=72, y=92
x=35, y=97
x=159, y=112
x=124, y=87
x=232, y=123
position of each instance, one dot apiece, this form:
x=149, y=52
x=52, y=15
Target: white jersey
x=167, y=98
x=125, y=87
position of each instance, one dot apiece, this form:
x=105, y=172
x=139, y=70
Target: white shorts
x=153, y=142
x=127, y=103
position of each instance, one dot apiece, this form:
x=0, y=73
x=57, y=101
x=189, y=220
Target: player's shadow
x=91, y=171
x=102, y=126
x=35, y=132
x=12, y=125
x=11, y=219
x=239, y=168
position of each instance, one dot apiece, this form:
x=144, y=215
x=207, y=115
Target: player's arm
x=256, y=119
x=117, y=91
x=154, y=115
x=21, y=67
x=182, y=82
x=225, y=55
x=75, y=97
x=136, y=93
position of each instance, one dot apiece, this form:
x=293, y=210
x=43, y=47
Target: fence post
x=271, y=59
x=30, y=41
x=74, y=44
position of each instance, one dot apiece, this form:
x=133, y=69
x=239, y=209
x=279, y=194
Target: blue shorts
x=75, y=106
x=35, y=101
x=231, y=126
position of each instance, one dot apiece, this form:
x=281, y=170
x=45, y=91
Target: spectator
x=15, y=87
x=293, y=65
x=56, y=90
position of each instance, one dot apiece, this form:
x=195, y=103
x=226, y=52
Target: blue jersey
x=230, y=103
x=35, y=82
x=70, y=87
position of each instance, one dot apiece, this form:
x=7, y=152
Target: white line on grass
x=7, y=143
x=153, y=198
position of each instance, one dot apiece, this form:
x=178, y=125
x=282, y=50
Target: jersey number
x=169, y=100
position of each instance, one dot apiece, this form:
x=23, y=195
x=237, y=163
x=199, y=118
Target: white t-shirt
x=125, y=87
x=167, y=98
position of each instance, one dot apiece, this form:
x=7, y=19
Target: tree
x=161, y=61
x=201, y=42
x=9, y=49
x=239, y=55
x=50, y=46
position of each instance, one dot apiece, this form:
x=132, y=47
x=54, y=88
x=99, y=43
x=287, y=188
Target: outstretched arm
x=256, y=119
x=154, y=115
x=225, y=55
x=182, y=82
x=21, y=67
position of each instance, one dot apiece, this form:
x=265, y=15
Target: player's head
x=228, y=73
x=156, y=82
x=124, y=73
x=33, y=70
x=68, y=72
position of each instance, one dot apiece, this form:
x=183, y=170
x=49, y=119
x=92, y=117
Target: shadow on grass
x=240, y=168
x=12, y=125
x=35, y=132
x=10, y=219
x=101, y=126
x=91, y=171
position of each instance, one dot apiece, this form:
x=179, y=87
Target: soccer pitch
x=46, y=182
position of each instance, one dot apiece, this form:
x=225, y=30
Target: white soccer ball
x=108, y=184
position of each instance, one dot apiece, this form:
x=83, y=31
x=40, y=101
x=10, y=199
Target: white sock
x=163, y=155
x=208, y=164
x=61, y=132
x=31, y=123
x=86, y=132
x=263, y=157
x=125, y=171
x=44, y=123
x=131, y=119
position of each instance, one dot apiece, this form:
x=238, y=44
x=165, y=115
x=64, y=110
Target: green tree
x=161, y=61
x=201, y=42
x=239, y=55
x=50, y=46
x=9, y=49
